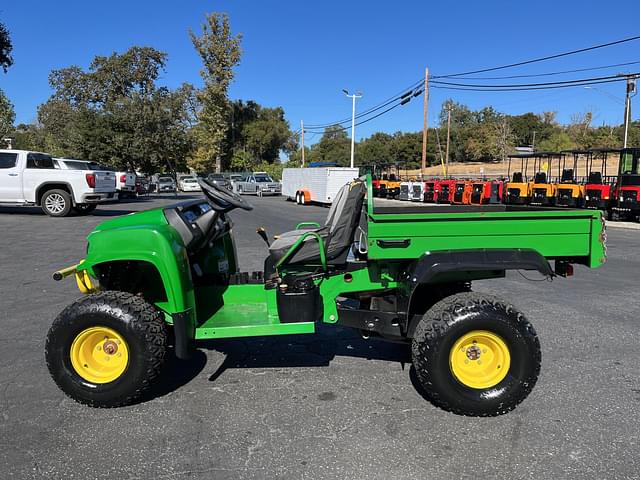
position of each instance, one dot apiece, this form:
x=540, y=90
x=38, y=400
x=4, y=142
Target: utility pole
x=302, y=128
x=353, y=121
x=425, y=127
x=446, y=164
x=631, y=88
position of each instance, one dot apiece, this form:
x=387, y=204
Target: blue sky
x=301, y=54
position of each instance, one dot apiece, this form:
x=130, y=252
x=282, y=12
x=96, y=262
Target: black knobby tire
x=449, y=320
x=140, y=324
x=56, y=203
x=84, y=208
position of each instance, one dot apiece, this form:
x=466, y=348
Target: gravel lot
x=329, y=405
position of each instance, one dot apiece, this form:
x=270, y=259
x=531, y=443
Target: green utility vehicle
x=169, y=277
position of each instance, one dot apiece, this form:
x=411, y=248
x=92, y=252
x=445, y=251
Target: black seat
x=595, y=178
x=567, y=176
x=337, y=233
x=517, y=177
x=541, y=177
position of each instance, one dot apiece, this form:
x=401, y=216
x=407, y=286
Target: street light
x=353, y=120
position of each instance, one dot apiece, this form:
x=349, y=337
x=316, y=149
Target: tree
x=267, y=135
x=334, y=147
x=6, y=47
x=115, y=114
x=375, y=150
x=558, y=141
x=7, y=116
x=220, y=52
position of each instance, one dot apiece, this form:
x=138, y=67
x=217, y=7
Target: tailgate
x=131, y=180
x=105, y=181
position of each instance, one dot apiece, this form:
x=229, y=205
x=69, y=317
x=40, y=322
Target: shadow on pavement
x=304, y=350
x=176, y=374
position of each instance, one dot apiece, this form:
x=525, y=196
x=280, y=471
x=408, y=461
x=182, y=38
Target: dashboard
x=196, y=222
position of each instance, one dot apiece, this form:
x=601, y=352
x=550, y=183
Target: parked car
x=220, y=180
x=189, y=184
x=126, y=184
x=258, y=183
x=34, y=178
x=166, y=183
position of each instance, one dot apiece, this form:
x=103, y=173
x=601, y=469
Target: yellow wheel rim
x=480, y=359
x=99, y=354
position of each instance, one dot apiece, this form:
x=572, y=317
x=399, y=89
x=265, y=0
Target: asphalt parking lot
x=329, y=405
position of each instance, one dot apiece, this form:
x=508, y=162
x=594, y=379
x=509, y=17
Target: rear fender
x=455, y=267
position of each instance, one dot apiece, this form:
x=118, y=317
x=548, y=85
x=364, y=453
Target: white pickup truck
x=34, y=178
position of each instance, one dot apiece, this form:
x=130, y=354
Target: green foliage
x=241, y=162
x=115, y=114
x=220, y=52
x=6, y=47
x=556, y=142
x=334, y=147
x=7, y=116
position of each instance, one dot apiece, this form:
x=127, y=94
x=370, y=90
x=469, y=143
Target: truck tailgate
x=105, y=181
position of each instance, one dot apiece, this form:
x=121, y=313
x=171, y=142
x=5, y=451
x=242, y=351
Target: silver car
x=258, y=184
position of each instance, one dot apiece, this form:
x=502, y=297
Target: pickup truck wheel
x=56, y=203
x=84, y=208
x=475, y=355
x=105, y=350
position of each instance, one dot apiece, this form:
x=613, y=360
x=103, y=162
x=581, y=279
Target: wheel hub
x=480, y=359
x=473, y=352
x=99, y=355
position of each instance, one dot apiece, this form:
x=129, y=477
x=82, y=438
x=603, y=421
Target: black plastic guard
x=433, y=266
x=184, y=332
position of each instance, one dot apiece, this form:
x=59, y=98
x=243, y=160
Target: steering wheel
x=224, y=200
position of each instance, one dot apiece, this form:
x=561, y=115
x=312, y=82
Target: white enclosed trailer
x=315, y=184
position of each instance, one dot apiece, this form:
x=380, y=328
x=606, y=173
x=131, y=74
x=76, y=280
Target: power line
x=516, y=89
x=548, y=74
x=363, y=121
x=410, y=91
x=541, y=59
x=403, y=94
x=514, y=85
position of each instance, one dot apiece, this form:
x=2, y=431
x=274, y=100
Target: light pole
x=353, y=121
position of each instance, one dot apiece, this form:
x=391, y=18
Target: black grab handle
x=394, y=243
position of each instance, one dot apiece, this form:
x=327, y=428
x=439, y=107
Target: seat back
x=567, y=175
x=541, y=177
x=517, y=177
x=595, y=177
x=334, y=206
x=345, y=220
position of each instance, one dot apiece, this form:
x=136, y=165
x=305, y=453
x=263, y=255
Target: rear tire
x=56, y=203
x=115, y=370
x=456, y=335
x=302, y=199
x=297, y=198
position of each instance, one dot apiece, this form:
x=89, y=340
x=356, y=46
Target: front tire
x=56, y=203
x=475, y=355
x=105, y=350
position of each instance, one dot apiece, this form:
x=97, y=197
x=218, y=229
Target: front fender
x=159, y=246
